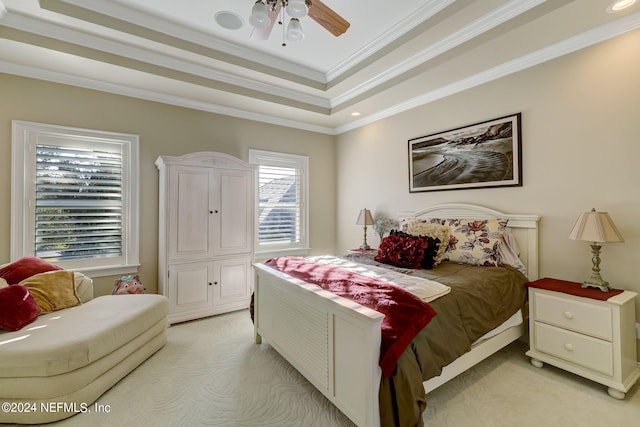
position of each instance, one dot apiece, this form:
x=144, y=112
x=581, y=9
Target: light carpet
x=211, y=373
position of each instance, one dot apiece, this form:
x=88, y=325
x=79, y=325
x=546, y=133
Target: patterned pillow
x=474, y=241
x=406, y=252
x=421, y=227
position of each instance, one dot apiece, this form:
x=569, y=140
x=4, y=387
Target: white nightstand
x=593, y=338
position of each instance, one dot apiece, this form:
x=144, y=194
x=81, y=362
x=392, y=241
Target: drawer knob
x=568, y=315
x=568, y=347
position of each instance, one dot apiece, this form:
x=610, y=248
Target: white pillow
x=509, y=253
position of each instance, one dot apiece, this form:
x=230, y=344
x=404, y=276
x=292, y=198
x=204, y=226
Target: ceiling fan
x=265, y=13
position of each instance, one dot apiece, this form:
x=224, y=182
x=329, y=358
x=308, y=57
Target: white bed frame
x=335, y=343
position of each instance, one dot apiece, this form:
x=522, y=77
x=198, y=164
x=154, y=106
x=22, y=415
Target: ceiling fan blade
x=263, y=34
x=326, y=17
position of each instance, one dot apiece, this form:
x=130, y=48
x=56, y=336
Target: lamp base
x=596, y=282
x=365, y=246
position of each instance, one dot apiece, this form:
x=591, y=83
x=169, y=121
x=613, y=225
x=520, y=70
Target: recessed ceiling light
x=355, y=113
x=618, y=5
x=229, y=20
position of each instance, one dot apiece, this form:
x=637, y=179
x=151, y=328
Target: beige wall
x=581, y=149
x=580, y=119
x=163, y=130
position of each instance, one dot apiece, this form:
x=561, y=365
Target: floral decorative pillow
x=474, y=241
x=406, y=252
x=433, y=244
x=421, y=227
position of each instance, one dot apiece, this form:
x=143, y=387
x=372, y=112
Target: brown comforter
x=481, y=299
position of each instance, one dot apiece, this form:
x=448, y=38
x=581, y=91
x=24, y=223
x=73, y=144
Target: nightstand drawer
x=587, y=318
x=589, y=352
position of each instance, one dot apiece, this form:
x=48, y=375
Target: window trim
x=24, y=138
x=272, y=158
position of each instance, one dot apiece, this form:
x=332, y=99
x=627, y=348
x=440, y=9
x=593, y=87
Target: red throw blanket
x=404, y=313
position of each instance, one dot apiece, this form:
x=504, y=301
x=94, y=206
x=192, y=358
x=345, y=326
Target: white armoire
x=206, y=234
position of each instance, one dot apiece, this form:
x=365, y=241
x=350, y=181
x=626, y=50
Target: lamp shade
x=294, y=30
x=595, y=226
x=259, y=17
x=297, y=8
x=365, y=218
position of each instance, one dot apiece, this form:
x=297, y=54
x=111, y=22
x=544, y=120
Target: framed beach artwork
x=486, y=154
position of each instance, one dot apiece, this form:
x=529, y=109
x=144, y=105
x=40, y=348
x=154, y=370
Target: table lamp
x=595, y=227
x=365, y=218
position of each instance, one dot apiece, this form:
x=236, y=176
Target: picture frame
x=480, y=155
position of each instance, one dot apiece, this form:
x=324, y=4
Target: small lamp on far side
x=365, y=218
x=596, y=227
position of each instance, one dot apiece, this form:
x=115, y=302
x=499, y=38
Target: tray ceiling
x=394, y=56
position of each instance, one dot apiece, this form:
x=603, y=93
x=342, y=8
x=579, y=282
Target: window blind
x=279, y=206
x=79, y=203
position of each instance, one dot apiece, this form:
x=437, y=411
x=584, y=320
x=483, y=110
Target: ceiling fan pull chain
x=284, y=43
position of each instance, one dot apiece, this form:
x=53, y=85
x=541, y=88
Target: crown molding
x=567, y=46
x=52, y=30
x=426, y=11
x=119, y=89
x=127, y=14
x=474, y=29
x=572, y=44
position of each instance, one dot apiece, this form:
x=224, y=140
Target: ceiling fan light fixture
x=265, y=13
x=297, y=8
x=294, y=30
x=260, y=16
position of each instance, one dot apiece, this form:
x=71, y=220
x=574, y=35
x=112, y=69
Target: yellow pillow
x=53, y=290
x=3, y=283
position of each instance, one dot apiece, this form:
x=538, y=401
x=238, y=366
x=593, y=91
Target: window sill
x=265, y=255
x=114, y=270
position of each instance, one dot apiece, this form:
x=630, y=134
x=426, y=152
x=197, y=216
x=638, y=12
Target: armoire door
x=190, y=213
x=233, y=279
x=191, y=291
x=235, y=216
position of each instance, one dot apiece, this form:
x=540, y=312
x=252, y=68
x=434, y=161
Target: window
x=282, y=202
x=75, y=198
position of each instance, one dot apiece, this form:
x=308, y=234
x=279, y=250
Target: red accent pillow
x=406, y=252
x=433, y=243
x=19, y=270
x=18, y=308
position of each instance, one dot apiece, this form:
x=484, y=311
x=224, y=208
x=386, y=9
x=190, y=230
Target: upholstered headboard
x=523, y=227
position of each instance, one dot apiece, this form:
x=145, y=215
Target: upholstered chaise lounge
x=58, y=365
